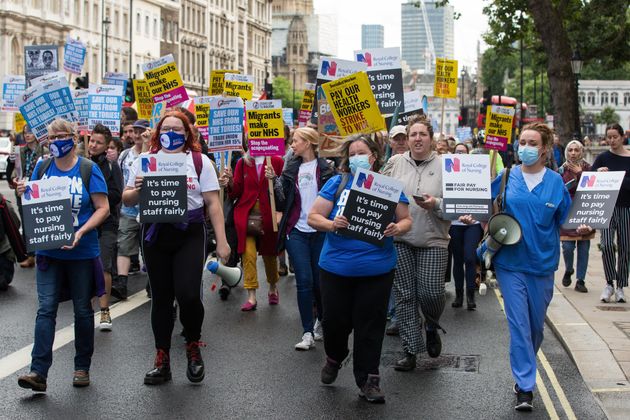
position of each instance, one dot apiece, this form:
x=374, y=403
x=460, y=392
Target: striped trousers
x=617, y=259
x=418, y=284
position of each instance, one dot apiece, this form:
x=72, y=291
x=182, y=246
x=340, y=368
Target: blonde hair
x=310, y=135
x=61, y=125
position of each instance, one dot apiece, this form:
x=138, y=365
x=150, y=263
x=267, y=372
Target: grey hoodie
x=429, y=229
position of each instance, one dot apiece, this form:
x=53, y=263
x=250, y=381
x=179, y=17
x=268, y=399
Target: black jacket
x=114, y=180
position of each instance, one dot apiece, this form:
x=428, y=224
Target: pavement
x=596, y=336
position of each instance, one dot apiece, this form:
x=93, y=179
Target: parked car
x=5, y=150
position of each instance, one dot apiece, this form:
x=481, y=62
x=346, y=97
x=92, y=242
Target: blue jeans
x=582, y=256
x=304, y=249
x=79, y=278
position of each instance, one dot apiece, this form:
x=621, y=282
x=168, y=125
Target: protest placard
x=265, y=132
x=40, y=60
x=385, y=75
x=287, y=116
x=332, y=69
x=202, y=114
x=104, y=104
x=306, y=107
x=240, y=85
x=44, y=102
x=47, y=214
x=413, y=100
x=144, y=101
x=327, y=127
x=466, y=186
x=81, y=104
x=73, y=56
x=403, y=118
x=264, y=104
x=18, y=122
x=55, y=75
x=463, y=133
x=225, y=125
x=352, y=103
x=12, y=88
x=371, y=206
x=499, y=127
x=445, y=85
x=117, y=79
x=158, y=111
x=163, y=196
x=594, y=200
x=217, y=81
x=164, y=80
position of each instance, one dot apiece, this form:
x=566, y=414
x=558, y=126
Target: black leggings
x=175, y=265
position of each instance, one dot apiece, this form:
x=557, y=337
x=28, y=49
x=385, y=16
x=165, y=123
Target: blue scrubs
x=525, y=270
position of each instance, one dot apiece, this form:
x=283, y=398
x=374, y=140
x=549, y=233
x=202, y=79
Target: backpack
x=85, y=168
x=10, y=226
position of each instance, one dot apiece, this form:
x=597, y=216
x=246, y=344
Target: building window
x=582, y=98
x=116, y=23
x=604, y=99
x=155, y=28
x=626, y=99
x=138, y=23
x=147, y=30
x=162, y=29
x=95, y=15
x=591, y=98
x=125, y=23
x=614, y=98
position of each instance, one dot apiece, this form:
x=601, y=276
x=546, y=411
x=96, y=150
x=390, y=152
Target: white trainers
x=307, y=343
x=607, y=293
x=619, y=295
x=106, y=321
x=318, y=331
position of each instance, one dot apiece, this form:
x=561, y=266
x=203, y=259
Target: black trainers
x=195, y=371
x=330, y=371
x=434, y=343
x=566, y=279
x=580, y=286
x=523, y=399
x=33, y=381
x=371, y=392
x=406, y=364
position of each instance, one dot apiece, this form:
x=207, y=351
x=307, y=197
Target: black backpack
x=85, y=167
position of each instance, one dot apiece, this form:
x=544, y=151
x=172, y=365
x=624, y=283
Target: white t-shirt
x=208, y=181
x=533, y=179
x=307, y=183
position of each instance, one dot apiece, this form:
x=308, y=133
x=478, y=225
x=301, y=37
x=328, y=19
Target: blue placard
x=287, y=116
x=104, y=104
x=74, y=56
x=12, y=88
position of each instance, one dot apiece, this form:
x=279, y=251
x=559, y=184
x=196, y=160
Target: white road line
x=22, y=358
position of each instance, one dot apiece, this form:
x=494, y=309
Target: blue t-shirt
x=350, y=257
x=88, y=246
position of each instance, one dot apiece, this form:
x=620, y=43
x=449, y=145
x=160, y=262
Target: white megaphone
x=503, y=229
x=231, y=276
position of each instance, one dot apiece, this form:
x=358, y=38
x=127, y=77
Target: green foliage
x=283, y=89
x=607, y=116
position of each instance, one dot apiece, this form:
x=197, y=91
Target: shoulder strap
x=196, y=156
x=501, y=198
x=85, y=167
x=43, y=168
x=342, y=185
x=123, y=156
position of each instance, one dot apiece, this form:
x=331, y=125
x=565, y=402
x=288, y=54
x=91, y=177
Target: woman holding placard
x=616, y=262
x=356, y=276
x=571, y=170
x=423, y=251
x=175, y=253
x=77, y=266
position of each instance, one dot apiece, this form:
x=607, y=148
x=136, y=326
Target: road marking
x=604, y=390
x=544, y=395
x=22, y=358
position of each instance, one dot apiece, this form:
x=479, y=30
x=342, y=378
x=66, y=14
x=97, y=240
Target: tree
x=283, y=89
x=607, y=116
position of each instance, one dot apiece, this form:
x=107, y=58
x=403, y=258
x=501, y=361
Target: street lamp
x=576, y=66
x=106, y=22
x=293, y=103
x=463, y=87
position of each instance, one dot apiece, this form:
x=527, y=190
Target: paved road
x=254, y=372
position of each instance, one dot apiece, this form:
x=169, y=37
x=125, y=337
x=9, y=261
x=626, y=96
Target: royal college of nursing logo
x=149, y=164
x=365, y=58
x=588, y=181
x=365, y=181
x=32, y=191
x=452, y=165
x=329, y=68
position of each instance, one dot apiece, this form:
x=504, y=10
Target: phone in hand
x=418, y=199
x=570, y=184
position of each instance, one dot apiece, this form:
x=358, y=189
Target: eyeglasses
x=165, y=129
x=59, y=136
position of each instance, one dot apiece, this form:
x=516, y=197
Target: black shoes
x=580, y=286
x=566, y=279
x=393, y=330
x=406, y=364
x=161, y=371
x=434, y=343
x=330, y=371
x=224, y=292
x=195, y=371
x=119, y=288
x=470, y=300
x=371, y=392
x=459, y=298
x=523, y=399
x=33, y=381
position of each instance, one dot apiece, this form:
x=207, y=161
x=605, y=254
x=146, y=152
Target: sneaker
x=81, y=378
x=106, y=321
x=307, y=343
x=33, y=381
x=406, y=364
x=330, y=371
x=523, y=399
x=607, y=293
x=619, y=295
x=566, y=279
x=371, y=392
x=318, y=331
x=434, y=343
x=580, y=287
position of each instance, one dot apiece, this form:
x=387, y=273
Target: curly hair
x=546, y=133
x=420, y=119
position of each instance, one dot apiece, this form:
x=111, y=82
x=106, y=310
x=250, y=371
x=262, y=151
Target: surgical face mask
x=359, y=161
x=172, y=140
x=60, y=148
x=528, y=155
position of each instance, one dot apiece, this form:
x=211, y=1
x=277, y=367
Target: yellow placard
x=164, y=81
x=217, y=80
x=18, y=122
x=202, y=112
x=353, y=105
x=144, y=101
x=445, y=85
x=243, y=90
x=499, y=121
x=265, y=129
x=307, y=100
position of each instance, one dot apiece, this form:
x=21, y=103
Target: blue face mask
x=172, y=140
x=528, y=155
x=60, y=148
x=359, y=161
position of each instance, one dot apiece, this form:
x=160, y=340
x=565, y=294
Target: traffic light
x=130, y=97
x=463, y=116
x=487, y=101
x=83, y=82
x=269, y=90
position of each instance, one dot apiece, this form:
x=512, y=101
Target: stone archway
x=16, y=58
